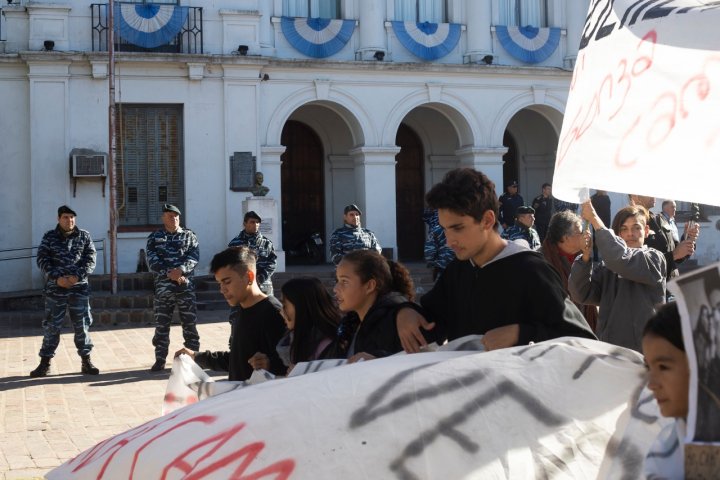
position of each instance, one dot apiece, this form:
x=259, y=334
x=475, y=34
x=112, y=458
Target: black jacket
x=376, y=334
x=255, y=329
x=517, y=287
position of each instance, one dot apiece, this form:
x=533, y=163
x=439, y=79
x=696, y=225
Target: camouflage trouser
x=78, y=303
x=166, y=297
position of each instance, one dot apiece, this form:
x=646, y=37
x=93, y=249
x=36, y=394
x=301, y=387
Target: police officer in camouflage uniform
x=523, y=228
x=509, y=203
x=172, y=254
x=66, y=256
x=436, y=251
x=351, y=236
x=262, y=246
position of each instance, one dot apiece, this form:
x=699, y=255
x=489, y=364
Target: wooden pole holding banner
x=111, y=148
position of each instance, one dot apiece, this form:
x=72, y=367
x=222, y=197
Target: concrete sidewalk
x=47, y=421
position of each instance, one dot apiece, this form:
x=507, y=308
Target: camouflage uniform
x=60, y=255
x=348, y=238
x=266, y=258
x=519, y=231
x=166, y=251
x=437, y=253
x=508, y=205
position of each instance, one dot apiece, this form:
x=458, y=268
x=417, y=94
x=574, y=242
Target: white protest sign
x=566, y=408
x=698, y=299
x=643, y=105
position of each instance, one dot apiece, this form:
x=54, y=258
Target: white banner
x=642, y=113
x=567, y=408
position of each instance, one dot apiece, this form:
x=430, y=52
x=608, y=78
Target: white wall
x=460, y=112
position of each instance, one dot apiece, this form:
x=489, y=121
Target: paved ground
x=47, y=421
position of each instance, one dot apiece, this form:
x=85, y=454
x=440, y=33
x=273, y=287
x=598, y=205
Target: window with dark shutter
x=149, y=162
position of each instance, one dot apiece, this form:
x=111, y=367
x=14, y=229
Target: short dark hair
x=562, y=224
x=546, y=185
x=666, y=324
x=252, y=214
x=627, y=212
x=465, y=191
x=240, y=259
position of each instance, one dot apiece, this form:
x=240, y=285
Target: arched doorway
x=532, y=137
x=409, y=187
x=510, y=162
x=303, y=197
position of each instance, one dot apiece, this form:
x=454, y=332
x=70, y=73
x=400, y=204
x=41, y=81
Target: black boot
x=42, y=369
x=158, y=366
x=88, y=367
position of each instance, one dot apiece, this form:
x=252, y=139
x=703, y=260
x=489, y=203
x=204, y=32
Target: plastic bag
x=179, y=393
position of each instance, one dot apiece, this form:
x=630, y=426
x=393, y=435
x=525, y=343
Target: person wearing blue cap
x=351, y=236
x=523, y=228
x=263, y=248
x=66, y=256
x=510, y=201
x=172, y=254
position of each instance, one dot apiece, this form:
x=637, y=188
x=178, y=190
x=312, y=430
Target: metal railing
x=189, y=40
x=33, y=253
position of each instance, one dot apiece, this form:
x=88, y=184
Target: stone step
x=104, y=317
x=134, y=303
x=125, y=282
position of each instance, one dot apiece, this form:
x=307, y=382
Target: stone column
x=375, y=191
x=371, y=29
x=267, y=36
x=488, y=160
x=49, y=150
x=479, y=41
x=269, y=164
x=575, y=14
x=48, y=21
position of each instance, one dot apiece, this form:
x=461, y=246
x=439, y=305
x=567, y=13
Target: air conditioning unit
x=89, y=166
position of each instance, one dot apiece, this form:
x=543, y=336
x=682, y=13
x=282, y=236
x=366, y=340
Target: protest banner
x=643, y=102
x=565, y=408
x=698, y=298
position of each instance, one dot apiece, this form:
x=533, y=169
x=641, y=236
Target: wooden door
x=303, y=191
x=510, y=163
x=410, y=193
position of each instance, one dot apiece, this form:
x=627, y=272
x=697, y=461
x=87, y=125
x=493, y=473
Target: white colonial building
x=334, y=101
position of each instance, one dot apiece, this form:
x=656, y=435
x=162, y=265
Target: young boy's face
x=668, y=375
x=633, y=231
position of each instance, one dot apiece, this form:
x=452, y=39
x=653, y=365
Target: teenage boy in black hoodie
x=499, y=289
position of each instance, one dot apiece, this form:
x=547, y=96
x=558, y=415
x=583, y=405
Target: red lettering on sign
x=610, y=96
x=244, y=457
x=652, y=128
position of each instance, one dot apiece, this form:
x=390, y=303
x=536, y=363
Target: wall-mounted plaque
x=242, y=172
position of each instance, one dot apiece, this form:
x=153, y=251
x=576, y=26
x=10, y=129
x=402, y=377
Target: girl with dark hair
x=311, y=318
x=370, y=290
x=628, y=283
x=668, y=379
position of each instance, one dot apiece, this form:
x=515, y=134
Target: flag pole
x=111, y=147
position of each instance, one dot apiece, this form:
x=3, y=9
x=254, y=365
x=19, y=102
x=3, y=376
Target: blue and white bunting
x=149, y=25
x=426, y=40
x=528, y=44
x=317, y=37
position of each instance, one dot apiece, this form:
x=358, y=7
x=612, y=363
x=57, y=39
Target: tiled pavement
x=46, y=421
